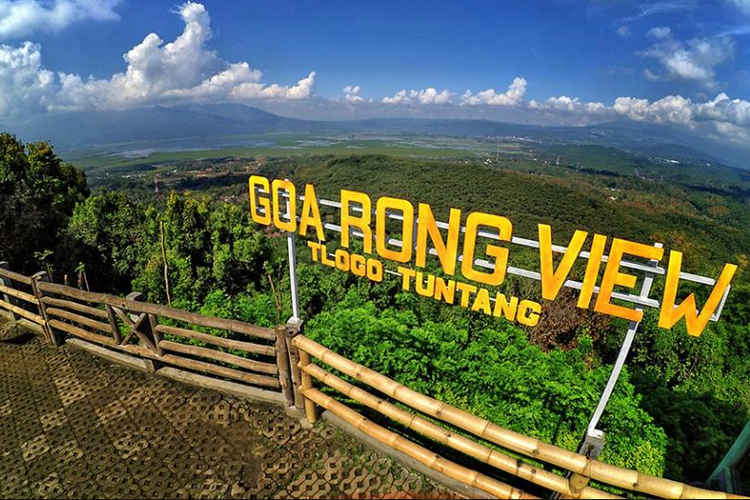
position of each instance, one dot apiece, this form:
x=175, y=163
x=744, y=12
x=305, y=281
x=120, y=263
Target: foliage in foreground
x=496, y=374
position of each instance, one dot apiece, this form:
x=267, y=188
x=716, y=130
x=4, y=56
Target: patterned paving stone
x=75, y=426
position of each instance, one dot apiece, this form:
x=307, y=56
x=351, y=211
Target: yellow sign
x=456, y=251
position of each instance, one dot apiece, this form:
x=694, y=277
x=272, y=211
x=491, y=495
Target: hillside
x=211, y=126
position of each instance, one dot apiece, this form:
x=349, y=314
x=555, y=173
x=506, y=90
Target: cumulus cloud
x=24, y=83
x=728, y=118
x=184, y=68
x=20, y=18
x=511, y=97
x=429, y=95
x=569, y=105
x=351, y=94
x=670, y=109
x=727, y=115
x=257, y=90
x=695, y=59
x=723, y=109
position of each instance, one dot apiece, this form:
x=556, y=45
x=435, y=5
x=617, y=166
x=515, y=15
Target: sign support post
x=292, y=251
x=591, y=430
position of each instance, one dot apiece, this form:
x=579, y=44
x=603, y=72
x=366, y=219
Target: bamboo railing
x=535, y=449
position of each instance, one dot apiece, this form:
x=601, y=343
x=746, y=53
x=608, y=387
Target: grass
x=358, y=147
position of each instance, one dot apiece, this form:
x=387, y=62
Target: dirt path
x=75, y=426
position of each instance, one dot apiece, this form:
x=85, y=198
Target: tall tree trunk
x=166, y=266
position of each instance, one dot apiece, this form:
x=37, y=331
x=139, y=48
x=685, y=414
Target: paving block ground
x=75, y=426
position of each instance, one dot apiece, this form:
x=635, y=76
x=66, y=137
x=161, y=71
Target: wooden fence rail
x=280, y=360
x=18, y=298
x=226, y=348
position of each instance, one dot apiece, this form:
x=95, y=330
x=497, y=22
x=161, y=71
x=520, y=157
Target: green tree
x=37, y=195
x=106, y=232
x=209, y=246
x=497, y=374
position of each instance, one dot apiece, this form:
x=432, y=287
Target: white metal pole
x=291, y=249
x=292, y=252
x=621, y=357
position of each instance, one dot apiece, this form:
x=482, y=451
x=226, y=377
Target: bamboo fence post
x=294, y=329
x=282, y=361
x=592, y=448
x=311, y=412
x=9, y=283
x=53, y=337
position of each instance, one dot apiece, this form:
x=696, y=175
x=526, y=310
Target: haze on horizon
x=575, y=62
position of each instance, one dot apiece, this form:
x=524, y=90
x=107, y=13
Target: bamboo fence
x=535, y=449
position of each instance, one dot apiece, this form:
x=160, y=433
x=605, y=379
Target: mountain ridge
x=79, y=130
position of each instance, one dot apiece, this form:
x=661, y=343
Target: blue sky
x=685, y=62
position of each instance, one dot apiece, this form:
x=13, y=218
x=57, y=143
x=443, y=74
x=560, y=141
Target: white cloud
x=429, y=95
x=432, y=96
x=24, y=84
x=512, y=97
x=221, y=84
x=660, y=7
x=257, y=90
x=729, y=118
x=624, y=31
x=156, y=72
x=650, y=75
x=569, y=105
x=154, y=68
x=734, y=133
x=400, y=97
x=670, y=109
x=695, y=59
x=743, y=5
x=23, y=17
x=723, y=109
x=659, y=32
x=351, y=94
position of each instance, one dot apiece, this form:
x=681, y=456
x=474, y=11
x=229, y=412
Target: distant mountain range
x=80, y=130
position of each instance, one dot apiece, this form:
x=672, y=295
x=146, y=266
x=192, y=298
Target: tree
x=210, y=246
x=106, y=232
x=37, y=195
